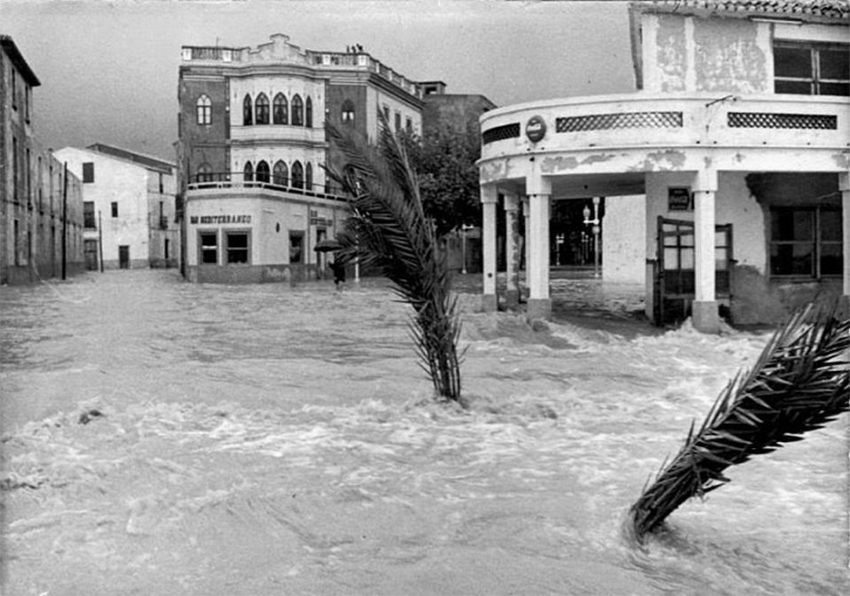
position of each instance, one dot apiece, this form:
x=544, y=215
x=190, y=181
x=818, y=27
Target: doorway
x=675, y=279
x=123, y=257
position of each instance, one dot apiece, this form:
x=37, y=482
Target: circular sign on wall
x=535, y=129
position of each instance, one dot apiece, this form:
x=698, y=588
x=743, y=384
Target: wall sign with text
x=679, y=199
x=219, y=219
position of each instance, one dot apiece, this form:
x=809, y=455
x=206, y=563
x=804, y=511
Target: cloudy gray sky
x=108, y=68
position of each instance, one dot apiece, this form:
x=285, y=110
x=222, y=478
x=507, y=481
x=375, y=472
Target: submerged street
x=161, y=437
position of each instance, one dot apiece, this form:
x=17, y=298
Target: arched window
x=248, y=172
x=261, y=109
x=204, y=173
x=280, y=113
x=297, y=175
x=308, y=116
x=263, y=172
x=247, y=119
x=204, y=107
x=347, y=114
x=309, y=176
x=297, y=111
x=281, y=173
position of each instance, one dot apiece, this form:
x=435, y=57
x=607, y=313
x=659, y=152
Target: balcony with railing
x=271, y=186
x=611, y=124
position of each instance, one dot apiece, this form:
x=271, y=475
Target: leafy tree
x=387, y=228
x=444, y=162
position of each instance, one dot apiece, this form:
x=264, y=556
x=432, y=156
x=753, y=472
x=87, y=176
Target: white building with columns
x=738, y=137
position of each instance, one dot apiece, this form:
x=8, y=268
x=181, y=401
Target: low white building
x=129, y=203
x=739, y=140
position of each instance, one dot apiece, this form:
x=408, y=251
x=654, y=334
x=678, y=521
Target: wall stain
x=552, y=165
x=660, y=161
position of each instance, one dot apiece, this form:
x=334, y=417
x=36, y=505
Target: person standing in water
x=338, y=269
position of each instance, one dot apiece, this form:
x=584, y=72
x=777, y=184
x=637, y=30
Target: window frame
x=114, y=208
x=247, y=111
x=228, y=250
x=247, y=172
x=262, y=173
x=297, y=175
x=297, y=111
x=299, y=234
x=347, y=112
x=280, y=173
x=816, y=243
x=280, y=109
x=88, y=172
x=814, y=80
x=202, y=248
x=308, y=112
x=261, y=109
x=203, y=110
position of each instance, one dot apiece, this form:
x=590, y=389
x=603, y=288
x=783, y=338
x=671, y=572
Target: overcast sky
x=109, y=69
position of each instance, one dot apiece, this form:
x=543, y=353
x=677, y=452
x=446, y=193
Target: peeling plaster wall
x=624, y=230
x=730, y=57
x=688, y=54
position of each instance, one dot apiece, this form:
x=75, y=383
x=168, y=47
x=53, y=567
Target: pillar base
x=539, y=308
x=512, y=299
x=489, y=303
x=706, y=316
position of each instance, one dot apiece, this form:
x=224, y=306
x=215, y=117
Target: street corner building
x=41, y=222
x=129, y=207
x=724, y=177
x=251, y=150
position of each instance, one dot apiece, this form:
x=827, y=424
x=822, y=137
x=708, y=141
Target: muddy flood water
x=160, y=437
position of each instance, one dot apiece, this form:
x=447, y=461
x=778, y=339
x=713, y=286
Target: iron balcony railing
x=270, y=182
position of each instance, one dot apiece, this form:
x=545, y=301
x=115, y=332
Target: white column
x=844, y=186
x=705, y=313
x=489, y=198
x=512, y=253
x=539, y=190
x=526, y=213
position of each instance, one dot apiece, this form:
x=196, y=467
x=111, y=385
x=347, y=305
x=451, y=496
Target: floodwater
x=161, y=437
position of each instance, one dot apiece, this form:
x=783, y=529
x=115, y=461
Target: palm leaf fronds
x=800, y=382
x=388, y=229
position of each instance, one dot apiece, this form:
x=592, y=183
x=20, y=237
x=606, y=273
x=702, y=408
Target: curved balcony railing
x=643, y=120
x=214, y=181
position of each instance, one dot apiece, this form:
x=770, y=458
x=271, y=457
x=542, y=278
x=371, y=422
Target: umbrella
x=327, y=246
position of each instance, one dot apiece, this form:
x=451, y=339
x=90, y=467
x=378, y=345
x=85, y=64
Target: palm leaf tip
x=800, y=382
x=388, y=229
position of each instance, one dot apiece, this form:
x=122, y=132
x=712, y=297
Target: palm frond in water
x=388, y=229
x=800, y=382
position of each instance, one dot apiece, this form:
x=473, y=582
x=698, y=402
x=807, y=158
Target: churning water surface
x=161, y=437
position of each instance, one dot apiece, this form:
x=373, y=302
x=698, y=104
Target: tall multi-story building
x=252, y=144
x=458, y=112
x=41, y=222
x=129, y=205
x=737, y=142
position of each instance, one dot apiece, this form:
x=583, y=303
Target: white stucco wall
x=115, y=181
x=376, y=100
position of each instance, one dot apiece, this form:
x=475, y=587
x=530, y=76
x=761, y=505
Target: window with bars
x=811, y=68
x=806, y=242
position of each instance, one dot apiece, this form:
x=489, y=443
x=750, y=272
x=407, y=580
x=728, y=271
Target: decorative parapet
x=281, y=51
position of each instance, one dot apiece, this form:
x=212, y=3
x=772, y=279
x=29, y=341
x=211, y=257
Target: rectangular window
x=208, y=242
x=296, y=246
x=811, y=68
x=114, y=209
x=15, y=158
x=88, y=171
x=806, y=242
x=88, y=215
x=397, y=122
x=238, y=247
x=408, y=124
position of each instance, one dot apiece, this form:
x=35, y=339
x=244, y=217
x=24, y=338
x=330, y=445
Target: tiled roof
x=829, y=9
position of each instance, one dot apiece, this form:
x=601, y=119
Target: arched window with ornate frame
x=262, y=173
x=248, y=172
x=247, y=111
x=261, y=109
x=204, y=173
x=308, y=113
x=280, y=173
x=280, y=109
x=308, y=176
x=297, y=111
x=297, y=175
x=204, y=110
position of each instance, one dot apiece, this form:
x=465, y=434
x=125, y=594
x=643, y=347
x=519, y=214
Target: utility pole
x=64, y=219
